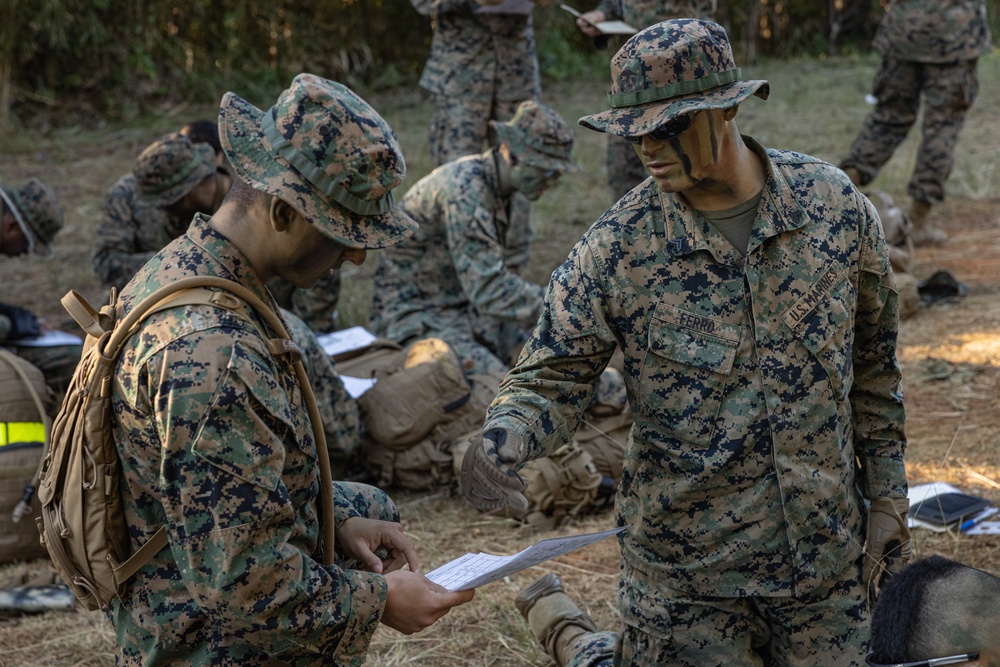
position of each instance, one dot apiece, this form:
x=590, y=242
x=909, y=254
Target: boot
x=924, y=233
x=554, y=619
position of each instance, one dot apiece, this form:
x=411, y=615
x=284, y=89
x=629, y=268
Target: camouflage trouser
x=316, y=306
x=594, y=649
x=56, y=364
x=355, y=499
x=625, y=170
x=948, y=90
x=503, y=338
x=828, y=627
x=461, y=127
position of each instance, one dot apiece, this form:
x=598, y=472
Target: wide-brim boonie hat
x=670, y=69
x=36, y=209
x=538, y=136
x=171, y=167
x=326, y=152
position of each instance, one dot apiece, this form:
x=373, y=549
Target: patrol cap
x=670, y=69
x=325, y=151
x=36, y=208
x=171, y=167
x=538, y=136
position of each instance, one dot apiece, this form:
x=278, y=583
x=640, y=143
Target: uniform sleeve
x=877, y=395
x=544, y=396
x=520, y=235
x=115, y=257
x=229, y=443
x=480, y=262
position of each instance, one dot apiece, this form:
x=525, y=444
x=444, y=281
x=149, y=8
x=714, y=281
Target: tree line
x=70, y=61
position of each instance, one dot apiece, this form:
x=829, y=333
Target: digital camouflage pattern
x=755, y=384
x=171, y=167
x=338, y=411
x=131, y=231
x=537, y=135
x=670, y=69
x=457, y=267
x=317, y=305
x=934, y=31
x=929, y=52
x=37, y=210
x=808, y=630
x=480, y=67
x=326, y=152
x=215, y=444
x=624, y=168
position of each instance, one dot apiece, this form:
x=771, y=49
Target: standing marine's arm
x=543, y=398
x=877, y=394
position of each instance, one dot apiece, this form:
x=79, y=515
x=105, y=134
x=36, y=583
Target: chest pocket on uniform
x=684, y=372
x=823, y=321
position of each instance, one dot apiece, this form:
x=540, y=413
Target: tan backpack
x=24, y=425
x=83, y=524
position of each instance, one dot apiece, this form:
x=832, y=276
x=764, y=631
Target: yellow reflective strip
x=13, y=432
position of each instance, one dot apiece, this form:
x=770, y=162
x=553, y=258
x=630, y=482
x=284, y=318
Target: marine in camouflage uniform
x=481, y=66
x=760, y=365
x=624, y=169
x=151, y=206
x=930, y=49
x=457, y=275
x=212, y=430
x=142, y=213
x=30, y=217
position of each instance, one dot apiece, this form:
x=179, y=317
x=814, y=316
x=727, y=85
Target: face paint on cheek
x=698, y=146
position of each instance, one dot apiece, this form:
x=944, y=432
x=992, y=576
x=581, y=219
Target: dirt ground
x=950, y=353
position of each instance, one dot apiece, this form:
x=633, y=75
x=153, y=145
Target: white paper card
x=48, y=339
x=475, y=570
x=345, y=340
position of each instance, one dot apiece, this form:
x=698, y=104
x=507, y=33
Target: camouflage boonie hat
x=538, y=136
x=670, y=69
x=325, y=151
x=35, y=207
x=170, y=168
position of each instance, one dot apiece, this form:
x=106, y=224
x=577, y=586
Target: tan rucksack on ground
x=24, y=424
x=83, y=523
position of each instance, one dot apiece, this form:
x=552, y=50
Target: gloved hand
x=489, y=476
x=887, y=548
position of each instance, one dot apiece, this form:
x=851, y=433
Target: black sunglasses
x=664, y=132
x=931, y=662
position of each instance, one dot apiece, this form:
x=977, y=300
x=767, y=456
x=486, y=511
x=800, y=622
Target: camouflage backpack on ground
x=420, y=405
x=82, y=521
x=24, y=424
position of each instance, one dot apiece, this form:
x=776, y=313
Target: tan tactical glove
x=489, y=476
x=888, y=548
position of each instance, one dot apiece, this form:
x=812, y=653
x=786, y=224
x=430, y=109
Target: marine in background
x=457, y=277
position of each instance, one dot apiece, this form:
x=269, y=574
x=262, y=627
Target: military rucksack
x=24, y=424
x=83, y=524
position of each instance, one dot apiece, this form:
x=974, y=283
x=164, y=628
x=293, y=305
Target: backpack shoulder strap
x=170, y=296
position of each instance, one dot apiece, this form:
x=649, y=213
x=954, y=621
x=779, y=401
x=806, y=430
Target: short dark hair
x=203, y=132
x=918, y=608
